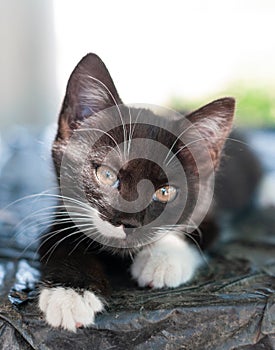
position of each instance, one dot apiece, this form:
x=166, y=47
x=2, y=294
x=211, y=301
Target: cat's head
x=130, y=174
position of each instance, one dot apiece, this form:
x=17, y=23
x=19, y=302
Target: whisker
x=92, y=242
x=138, y=115
x=36, y=241
x=182, y=133
x=239, y=141
x=43, y=224
x=196, y=227
x=131, y=256
x=106, y=133
x=82, y=240
x=183, y=147
x=53, y=214
x=53, y=248
x=198, y=247
x=130, y=131
x=58, y=231
x=117, y=107
x=28, y=197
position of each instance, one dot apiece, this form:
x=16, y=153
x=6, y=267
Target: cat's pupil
x=108, y=174
x=164, y=191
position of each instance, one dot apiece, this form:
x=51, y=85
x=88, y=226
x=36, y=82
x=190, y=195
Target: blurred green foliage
x=255, y=105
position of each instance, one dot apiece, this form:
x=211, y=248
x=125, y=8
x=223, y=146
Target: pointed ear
x=90, y=89
x=214, y=122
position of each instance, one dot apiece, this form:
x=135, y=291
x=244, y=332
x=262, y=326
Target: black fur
x=68, y=256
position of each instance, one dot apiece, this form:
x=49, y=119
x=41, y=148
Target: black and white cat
x=123, y=194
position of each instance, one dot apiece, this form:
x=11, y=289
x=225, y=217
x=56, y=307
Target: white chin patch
x=108, y=230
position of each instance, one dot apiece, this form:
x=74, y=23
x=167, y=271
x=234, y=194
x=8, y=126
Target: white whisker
x=182, y=133
x=52, y=249
x=183, y=147
x=105, y=133
x=81, y=240
x=31, y=196
x=130, y=132
x=115, y=102
x=135, y=123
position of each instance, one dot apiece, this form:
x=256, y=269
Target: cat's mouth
x=123, y=236
x=128, y=229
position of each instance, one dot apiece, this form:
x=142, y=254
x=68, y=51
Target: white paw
x=168, y=262
x=64, y=307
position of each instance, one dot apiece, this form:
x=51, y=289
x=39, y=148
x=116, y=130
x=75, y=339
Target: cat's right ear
x=90, y=89
x=213, y=122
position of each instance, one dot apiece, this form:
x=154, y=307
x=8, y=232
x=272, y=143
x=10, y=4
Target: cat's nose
x=128, y=228
x=126, y=221
x=127, y=225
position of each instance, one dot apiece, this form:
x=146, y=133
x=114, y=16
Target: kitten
x=134, y=182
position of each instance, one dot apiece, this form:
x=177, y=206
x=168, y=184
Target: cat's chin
x=115, y=239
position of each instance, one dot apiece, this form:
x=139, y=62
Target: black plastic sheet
x=229, y=305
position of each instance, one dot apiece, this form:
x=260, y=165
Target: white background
x=158, y=49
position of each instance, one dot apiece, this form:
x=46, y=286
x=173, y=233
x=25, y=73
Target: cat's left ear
x=90, y=89
x=214, y=123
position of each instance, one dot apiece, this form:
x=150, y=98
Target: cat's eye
x=165, y=194
x=107, y=176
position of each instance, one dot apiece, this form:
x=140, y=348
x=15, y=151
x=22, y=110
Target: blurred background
x=182, y=54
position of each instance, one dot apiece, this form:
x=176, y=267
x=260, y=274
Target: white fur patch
x=64, y=307
x=266, y=196
x=169, y=262
x=107, y=229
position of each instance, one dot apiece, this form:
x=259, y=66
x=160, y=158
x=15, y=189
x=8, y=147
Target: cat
x=133, y=182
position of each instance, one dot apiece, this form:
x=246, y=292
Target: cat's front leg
x=72, y=291
x=168, y=262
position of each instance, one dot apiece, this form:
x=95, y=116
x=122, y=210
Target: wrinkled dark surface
x=229, y=305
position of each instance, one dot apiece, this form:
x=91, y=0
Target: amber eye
x=107, y=176
x=165, y=194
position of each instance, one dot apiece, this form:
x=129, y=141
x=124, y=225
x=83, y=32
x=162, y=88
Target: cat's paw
x=168, y=262
x=65, y=308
